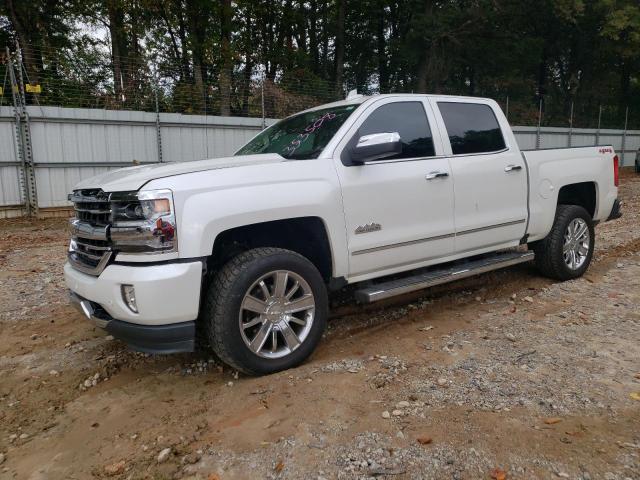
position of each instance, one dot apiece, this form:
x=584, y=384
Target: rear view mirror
x=376, y=146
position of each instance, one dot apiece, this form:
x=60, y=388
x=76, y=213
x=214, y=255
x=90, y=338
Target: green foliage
x=210, y=56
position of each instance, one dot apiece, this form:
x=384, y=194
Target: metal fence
x=65, y=145
x=46, y=150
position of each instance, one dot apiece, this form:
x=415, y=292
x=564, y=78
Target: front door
x=398, y=210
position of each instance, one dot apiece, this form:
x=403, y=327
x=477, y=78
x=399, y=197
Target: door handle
x=510, y=168
x=432, y=175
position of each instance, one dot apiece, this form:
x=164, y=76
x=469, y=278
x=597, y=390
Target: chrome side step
x=430, y=277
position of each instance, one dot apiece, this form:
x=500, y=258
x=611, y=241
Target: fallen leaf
x=279, y=467
x=635, y=395
x=213, y=476
x=637, y=376
x=424, y=440
x=552, y=420
x=498, y=474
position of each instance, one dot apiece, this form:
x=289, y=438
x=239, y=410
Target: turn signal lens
x=616, y=171
x=129, y=297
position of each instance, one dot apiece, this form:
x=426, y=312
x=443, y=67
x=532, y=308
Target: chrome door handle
x=510, y=168
x=432, y=175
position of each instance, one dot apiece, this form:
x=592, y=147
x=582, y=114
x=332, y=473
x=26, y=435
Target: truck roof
x=356, y=100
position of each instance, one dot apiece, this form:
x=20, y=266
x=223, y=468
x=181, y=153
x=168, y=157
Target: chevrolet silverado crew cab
x=393, y=193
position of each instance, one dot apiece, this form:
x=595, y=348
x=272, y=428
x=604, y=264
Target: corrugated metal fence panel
x=81, y=137
x=632, y=144
x=196, y=137
x=111, y=138
x=85, y=136
x=10, y=193
x=526, y=137
x=556, y=137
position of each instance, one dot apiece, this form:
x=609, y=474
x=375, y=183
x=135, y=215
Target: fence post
x=539, y=124
x=27, y=150
x=158, y=132
x=17, y=137
x=506, y=114
x=598, y=131
x=264, y=123
x=22, y=142
x=570, y=126
x=624, y=136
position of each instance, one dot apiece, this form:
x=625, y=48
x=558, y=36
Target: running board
x=429, y=278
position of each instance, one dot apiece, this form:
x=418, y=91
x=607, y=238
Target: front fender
x=206, y=207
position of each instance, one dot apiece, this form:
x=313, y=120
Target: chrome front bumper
x=85, y=307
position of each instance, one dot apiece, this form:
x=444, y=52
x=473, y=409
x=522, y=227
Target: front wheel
x=265, y=310
x=567, y=251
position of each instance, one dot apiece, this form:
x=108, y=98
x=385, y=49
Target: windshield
x=302, y=136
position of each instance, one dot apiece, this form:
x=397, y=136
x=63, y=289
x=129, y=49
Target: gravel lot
x=507, y=375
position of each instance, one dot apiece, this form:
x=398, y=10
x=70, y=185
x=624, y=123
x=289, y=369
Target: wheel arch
x=583, y=194
x=307, y=236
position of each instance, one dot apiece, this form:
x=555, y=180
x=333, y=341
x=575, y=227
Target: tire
x=244, y=338
x=549, y=255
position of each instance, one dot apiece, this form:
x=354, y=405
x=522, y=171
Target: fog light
x=129, y=297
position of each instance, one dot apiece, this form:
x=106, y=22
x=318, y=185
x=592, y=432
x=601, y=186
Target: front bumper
x=167, y=295
x=159, y=339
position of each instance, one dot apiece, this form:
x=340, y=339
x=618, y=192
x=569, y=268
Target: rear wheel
x=567, y=251
x=265, y=310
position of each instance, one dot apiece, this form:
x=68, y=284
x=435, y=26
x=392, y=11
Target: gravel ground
x=507, y=375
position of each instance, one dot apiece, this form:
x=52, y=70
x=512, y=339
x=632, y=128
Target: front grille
x=90, y=248
x=92, y=206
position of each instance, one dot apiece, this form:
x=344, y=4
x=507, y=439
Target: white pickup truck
x=393, y=192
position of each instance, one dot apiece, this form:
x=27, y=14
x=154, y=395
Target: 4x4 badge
x=368, y=228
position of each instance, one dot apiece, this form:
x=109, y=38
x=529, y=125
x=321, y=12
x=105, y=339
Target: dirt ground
x=507, y=375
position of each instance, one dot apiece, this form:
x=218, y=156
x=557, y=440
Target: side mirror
x=376, y=146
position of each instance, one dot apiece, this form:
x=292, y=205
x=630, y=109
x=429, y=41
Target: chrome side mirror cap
x=376, y=146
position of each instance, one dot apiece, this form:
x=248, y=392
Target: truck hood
x=134, y=178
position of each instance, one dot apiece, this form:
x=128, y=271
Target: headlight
x=144, y=222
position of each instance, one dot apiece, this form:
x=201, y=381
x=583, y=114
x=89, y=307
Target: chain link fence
x=158, y=99
x=81, y=80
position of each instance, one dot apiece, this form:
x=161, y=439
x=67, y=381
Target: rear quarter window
x=471, y=127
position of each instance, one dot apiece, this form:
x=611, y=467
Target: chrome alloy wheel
x=276, y=314
x=577, y=242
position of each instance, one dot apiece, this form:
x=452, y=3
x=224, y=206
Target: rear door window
x=472, y=128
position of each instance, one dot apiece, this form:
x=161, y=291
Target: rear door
x=398, y=210
x=490, y=177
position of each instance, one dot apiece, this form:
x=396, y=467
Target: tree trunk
x=383, y=75
x=426, y=59
x=246, y=90
x=313, y=37
x=119, y=50
x=339, y=46
x=625, y=85
x=25, y=38
x=325, y=37
x=197, y=36
x=227, y=65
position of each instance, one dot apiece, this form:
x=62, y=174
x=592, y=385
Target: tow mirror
x=376, y=146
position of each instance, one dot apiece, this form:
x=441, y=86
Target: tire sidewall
x=250, y=272
x=575, y=212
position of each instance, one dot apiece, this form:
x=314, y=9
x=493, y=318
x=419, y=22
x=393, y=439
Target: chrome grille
x=92, y=206
x=90, y=249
